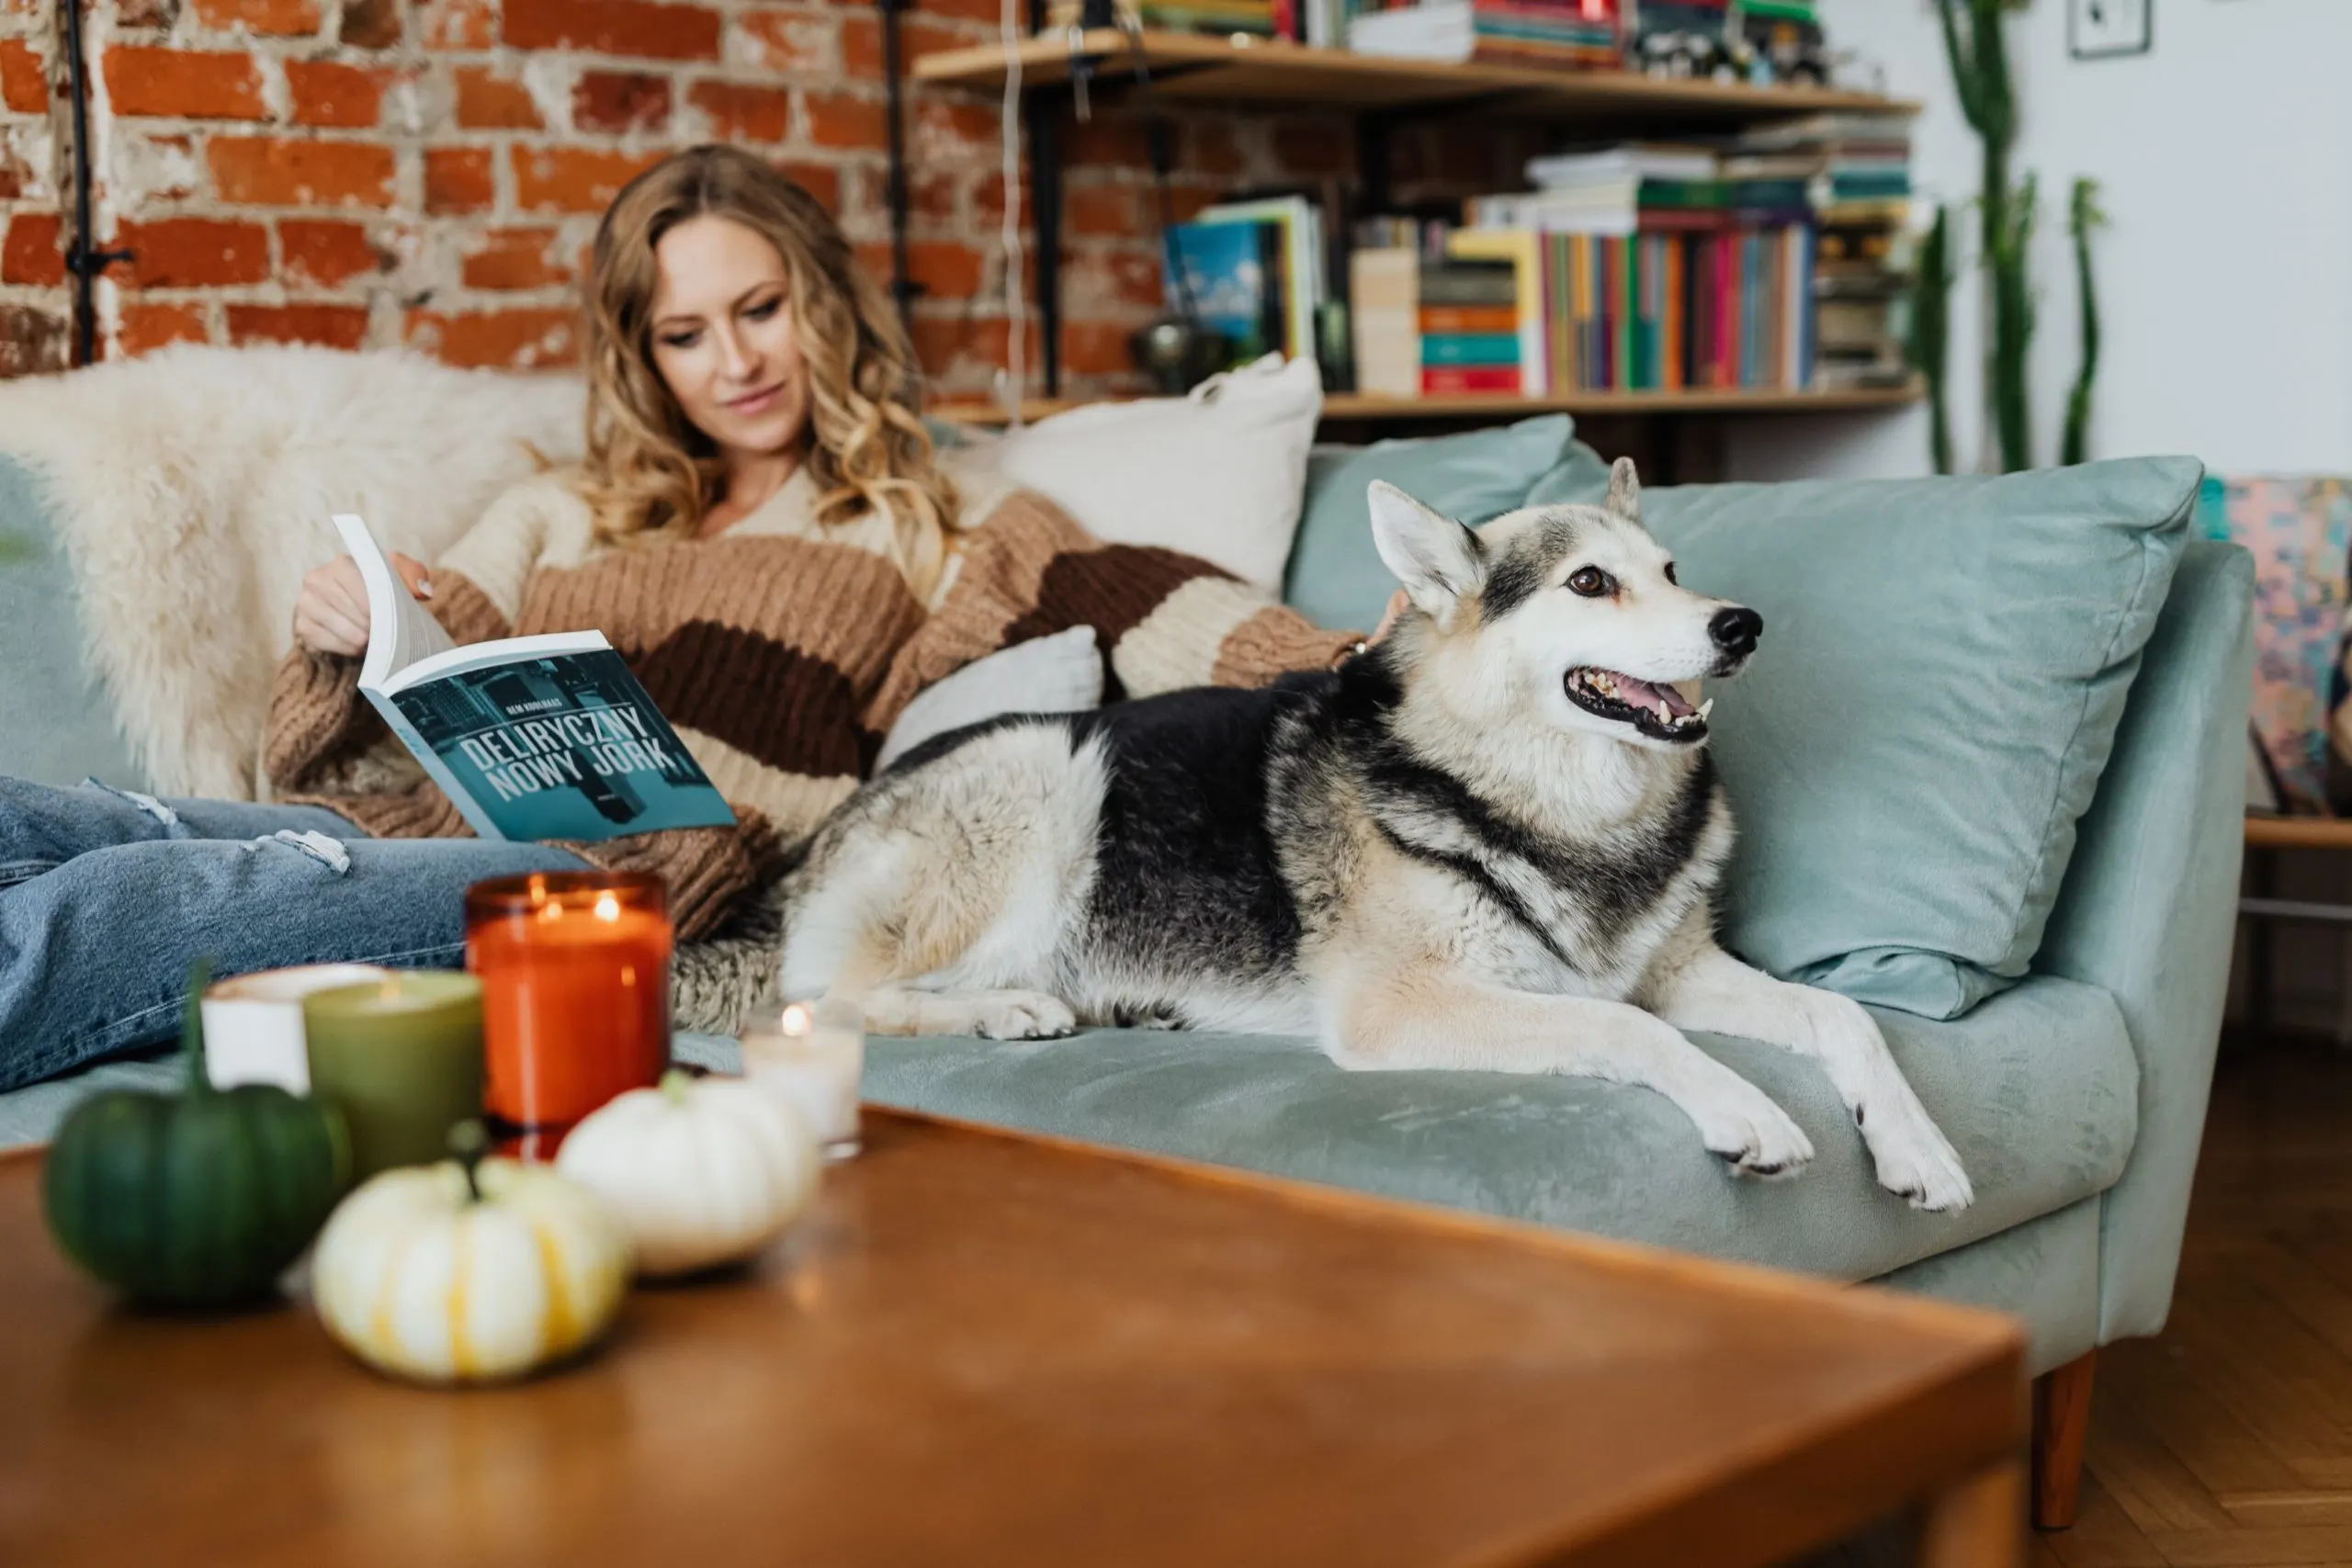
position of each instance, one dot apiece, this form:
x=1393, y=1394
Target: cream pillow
x=1061, y=673
x=1219, y=473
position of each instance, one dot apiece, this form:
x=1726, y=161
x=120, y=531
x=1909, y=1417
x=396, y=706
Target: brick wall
x=369, y=173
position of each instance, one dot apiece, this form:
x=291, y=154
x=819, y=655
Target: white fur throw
x=192, y=491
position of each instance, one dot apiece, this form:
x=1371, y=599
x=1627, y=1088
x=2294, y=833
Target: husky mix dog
x=1491, y=842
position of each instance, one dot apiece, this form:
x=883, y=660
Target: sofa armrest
x=2149, y=908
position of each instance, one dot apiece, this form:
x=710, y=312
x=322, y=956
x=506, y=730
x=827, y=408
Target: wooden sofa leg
x=2061, y=1422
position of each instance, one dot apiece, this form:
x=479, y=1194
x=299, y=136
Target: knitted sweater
x=781, y=651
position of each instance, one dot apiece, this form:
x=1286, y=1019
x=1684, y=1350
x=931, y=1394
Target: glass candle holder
x=401, y=1058
x=253, y=1024
x=812, y=1056
x=575, y=974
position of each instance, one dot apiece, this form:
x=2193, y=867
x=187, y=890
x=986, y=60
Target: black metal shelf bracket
x=903, y=288
x=81, y=260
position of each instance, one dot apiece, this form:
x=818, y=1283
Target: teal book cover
x=565, y=745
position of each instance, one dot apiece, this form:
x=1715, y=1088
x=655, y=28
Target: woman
x=761, y=527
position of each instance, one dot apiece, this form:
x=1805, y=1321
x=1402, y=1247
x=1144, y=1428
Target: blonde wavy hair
x=650, y=474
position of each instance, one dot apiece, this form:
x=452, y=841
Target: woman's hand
x=331, y=612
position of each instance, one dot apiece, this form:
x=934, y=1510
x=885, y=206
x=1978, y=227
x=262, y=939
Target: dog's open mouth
x=1656, y=710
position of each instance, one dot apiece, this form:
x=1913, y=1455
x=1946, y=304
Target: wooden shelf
x=1359, y=406
x=2298, y=833
x=1196, y=67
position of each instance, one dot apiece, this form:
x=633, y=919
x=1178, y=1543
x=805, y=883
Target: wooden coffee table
x=986, y=1348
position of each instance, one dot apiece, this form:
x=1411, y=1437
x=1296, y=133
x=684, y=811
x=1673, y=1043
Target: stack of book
x=1258, y=19
x=1252, y=272
x=1568, y=34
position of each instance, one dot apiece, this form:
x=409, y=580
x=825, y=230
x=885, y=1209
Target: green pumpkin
x=200, y=1199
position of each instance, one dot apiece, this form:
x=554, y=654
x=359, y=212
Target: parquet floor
x=2227, y=1443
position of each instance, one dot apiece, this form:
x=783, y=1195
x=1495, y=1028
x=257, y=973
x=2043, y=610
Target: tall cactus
x=2085, y=215
x=1977, y=48
x=1931, y=332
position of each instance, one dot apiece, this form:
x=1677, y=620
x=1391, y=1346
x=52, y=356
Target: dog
x=1491, y=840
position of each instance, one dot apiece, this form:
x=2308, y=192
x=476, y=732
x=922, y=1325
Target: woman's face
x=724, y=339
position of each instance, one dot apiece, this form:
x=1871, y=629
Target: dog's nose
x=1736, y=630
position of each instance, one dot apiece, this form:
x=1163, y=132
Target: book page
x=399, y=630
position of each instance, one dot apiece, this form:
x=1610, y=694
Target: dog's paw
x=1915, y=1161
x=1021, y=1015
x=1754, y=1137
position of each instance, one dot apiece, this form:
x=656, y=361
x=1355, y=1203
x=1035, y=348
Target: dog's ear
x=1436, y=560
x=1625, y=490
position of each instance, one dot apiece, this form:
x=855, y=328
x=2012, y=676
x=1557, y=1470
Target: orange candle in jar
x=575, y=977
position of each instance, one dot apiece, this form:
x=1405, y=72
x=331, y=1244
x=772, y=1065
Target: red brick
x=488, y=101
x=144, y=15
x=968, y=10
x=634, y=28
x=326, y=93
x=326, y=254
x=945, y=130
x=193, y=252
x=182, y=84
x=24, y=82
x=458, y=179
x=164, y=168
x=281, y=18
x=941, y=269
x=837, y=120
x=146, y=328
x=32, y=342
x=1096, y=348
x=1313, y=149
x=620, y=101
x=371, y=24
x=331, y=326
x=503, y=339
x=1100, y=209
x=1187, y=201
x=1215, y=148
x=945, y=344
x=266, y=171
x=819, y=180
x=1099, y=141
x=34, y=253
x=461, y=23
x=733, y=111
x=573, y=179
x=794, y=40
x=513, y=259
x=862, y=41
x=1109, y=282
x=15, y=177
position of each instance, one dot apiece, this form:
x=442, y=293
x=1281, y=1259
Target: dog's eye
x=1591, y=581
x=1670, y=577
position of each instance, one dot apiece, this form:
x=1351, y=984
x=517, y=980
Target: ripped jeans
x=107, y=896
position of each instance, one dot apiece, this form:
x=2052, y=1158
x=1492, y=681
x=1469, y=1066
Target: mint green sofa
x=2070, y=1068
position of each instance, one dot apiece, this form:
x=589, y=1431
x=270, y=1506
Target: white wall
x=2225, y=273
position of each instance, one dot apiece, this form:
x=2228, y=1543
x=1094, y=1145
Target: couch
x=2068, y=1061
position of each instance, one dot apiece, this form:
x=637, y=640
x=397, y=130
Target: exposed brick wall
x=367, y=173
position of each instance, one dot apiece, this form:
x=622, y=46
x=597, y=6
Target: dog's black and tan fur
x=1491, y=842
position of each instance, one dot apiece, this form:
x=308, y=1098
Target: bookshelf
x=1188, y=69
x=1368, y=409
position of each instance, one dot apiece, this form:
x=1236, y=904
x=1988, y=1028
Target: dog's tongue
x=1643, y=695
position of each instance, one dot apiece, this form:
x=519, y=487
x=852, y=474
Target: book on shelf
x=1565, y=34
x=1255, y=273
x=531, y=738
x=1385, y=314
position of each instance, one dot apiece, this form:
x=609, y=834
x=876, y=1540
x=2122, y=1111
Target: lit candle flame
x=607, y=907
x=796, y=1021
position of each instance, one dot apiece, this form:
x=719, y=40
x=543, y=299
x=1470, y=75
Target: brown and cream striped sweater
x=781, y=651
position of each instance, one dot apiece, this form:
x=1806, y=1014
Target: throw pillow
x=1061, y=673
x=1943, y=668
x=1218, y=473
x=1336, y=578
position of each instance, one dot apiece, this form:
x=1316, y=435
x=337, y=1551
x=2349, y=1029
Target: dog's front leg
x=1427, y=1021
x=1699, y=986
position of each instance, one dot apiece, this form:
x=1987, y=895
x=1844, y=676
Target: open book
x=532, y=738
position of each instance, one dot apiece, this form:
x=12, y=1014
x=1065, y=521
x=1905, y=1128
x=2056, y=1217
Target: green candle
x=401, y=1058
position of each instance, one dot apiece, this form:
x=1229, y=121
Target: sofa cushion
x=1336, y=578
x=56, y=725
x=2036, y=1089
x=1943, y=668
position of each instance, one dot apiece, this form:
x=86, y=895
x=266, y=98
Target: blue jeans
x=106, y=897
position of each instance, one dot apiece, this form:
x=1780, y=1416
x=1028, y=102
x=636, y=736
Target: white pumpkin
x=445, y=1276
x=698, y=1171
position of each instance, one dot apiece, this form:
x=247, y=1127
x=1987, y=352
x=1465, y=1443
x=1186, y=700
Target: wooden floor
x=2229, y=1440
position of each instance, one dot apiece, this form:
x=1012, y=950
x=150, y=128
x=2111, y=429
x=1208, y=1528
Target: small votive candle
x=401, y=1058
x=253, y=1024
x=811, y=1058
x=576, y=973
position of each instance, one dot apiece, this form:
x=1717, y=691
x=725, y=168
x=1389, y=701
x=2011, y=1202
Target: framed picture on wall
x=2102, y=30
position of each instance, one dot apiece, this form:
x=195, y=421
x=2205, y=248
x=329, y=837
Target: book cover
x=1224, y=264
x=532, y=737
x=1464, y=381
x=1472, y=349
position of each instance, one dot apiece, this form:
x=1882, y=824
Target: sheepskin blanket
x=192, y=492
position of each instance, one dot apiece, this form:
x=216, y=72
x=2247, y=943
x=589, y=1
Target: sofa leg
x=2061, y=1422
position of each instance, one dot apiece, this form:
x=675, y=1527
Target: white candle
x=252, y=1025
x=814, y=1065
